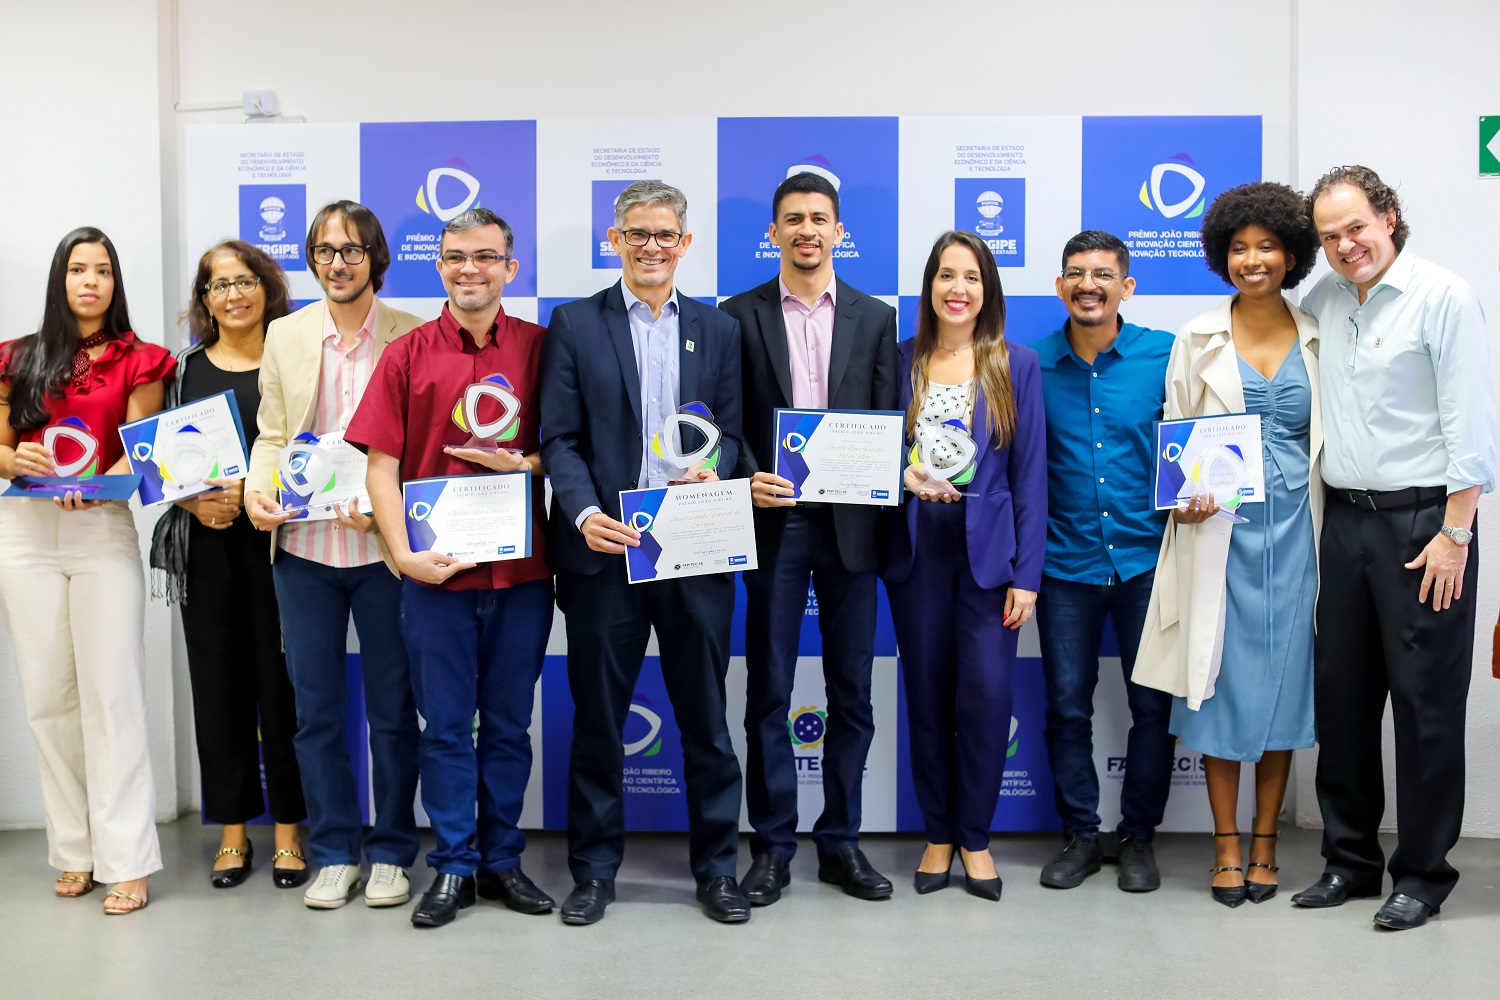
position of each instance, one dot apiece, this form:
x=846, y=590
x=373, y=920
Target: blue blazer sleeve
x=729, y=413
x=1027, y=469
x=563, y=416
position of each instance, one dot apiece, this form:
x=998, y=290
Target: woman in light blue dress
x=1259, y=709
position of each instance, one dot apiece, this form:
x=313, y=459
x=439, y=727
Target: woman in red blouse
x=72, y=591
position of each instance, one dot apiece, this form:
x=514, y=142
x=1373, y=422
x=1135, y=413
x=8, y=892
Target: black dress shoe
x=1402, y=912
x=586, y=903
x=444, y=898
x=768, y=875
x=289, y=878
x=723, y=900
x=852, y=871
x=228, y=878
x=1331, y=890
x=1078, y=859
x=514, y=889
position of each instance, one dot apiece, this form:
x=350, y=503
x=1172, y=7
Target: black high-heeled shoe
x=289, y=878
x=1259, y=892
x=228, y=878
x=1230, y=895
x=984, y=888
x=925, y=882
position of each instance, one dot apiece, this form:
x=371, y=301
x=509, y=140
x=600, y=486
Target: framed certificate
x=484, y=518
x=689, y=530
x=175, y=450
x=841, y=456
x=1221, y=455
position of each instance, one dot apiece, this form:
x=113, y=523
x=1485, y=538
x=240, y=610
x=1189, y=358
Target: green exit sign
x=1489, y=145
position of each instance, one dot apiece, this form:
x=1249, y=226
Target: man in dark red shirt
x=475, y=635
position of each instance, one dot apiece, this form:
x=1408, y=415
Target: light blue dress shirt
x=1406, y=392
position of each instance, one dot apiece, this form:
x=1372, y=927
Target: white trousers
x=72, y=593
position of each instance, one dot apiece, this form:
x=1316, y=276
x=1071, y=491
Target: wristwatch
x=1460, y=536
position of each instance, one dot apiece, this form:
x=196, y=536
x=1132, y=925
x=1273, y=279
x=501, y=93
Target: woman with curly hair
x=1239, y=657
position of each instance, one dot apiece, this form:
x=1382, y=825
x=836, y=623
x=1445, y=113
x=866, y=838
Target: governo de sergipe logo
x=807, y=727
x=428, y=199
x=1180, y=165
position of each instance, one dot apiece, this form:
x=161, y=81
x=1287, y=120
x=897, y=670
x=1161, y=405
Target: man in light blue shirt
x=1409, y=445
x=1103, y=383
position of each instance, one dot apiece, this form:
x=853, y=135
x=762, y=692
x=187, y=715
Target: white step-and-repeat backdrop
x=1025, y=184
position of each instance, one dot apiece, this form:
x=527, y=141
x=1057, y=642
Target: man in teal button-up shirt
x=1103, y=382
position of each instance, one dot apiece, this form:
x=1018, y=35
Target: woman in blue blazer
x=963, y=555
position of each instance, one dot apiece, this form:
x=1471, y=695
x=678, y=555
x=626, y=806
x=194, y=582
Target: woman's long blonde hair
x=991, y=355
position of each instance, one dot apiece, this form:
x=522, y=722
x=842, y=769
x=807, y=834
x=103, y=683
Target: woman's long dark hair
x=41, y=364
x=202, y=327
x=991, y=356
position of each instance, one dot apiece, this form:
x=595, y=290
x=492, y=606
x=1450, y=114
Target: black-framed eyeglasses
x=352, y=253
x=220, y=288
x=483, y=259
x=1102, y=276
x=640, y=237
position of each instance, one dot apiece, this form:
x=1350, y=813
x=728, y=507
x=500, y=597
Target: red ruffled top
x=101, y=401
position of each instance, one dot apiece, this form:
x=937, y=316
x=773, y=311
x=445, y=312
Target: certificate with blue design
x=175, y=450
x=483, y=518
x=841, y=456
x=689, y=530
x=1221, y=455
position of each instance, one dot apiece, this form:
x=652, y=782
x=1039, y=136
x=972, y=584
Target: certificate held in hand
x=484, y=518
x=689, y=530
x=841, y=456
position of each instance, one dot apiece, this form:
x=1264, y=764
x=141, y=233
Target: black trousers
x=1374, y=639
x=243, y=707
x=609, y=622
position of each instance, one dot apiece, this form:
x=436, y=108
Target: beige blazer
x=290, y=372
x=1183, y=640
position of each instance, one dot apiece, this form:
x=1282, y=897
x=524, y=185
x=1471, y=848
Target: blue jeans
x=316, y=601
x=1070, y=622
x=475, y=651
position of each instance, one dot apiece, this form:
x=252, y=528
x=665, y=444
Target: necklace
x=81, y=360
x=957, y=352
x=224, y=362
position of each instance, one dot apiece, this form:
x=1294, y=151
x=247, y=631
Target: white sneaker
x=333, y=887
x=388, y=886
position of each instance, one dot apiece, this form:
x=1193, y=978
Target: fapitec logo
x=648, y=745
x=432, y=194
x=1180, y=165
x=273, y=217
x=995, y=209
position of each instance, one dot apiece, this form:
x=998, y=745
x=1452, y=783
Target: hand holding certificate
x=689, y=530
x=841, y=456
x=175, y=451
x=1218, y=456
x=483, y=518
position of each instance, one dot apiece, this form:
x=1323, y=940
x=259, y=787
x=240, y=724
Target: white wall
x=1403, y=94
x=384, y=60
x=80, y=114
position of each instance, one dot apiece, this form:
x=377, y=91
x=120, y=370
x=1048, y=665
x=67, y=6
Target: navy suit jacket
x=591, y=408
x=1005, y=515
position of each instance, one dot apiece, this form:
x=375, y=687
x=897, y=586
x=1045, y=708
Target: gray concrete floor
x=816, y=944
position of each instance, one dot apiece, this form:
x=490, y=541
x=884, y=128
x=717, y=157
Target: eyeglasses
x=484, y=258
x=1102, y=276
x=639, y=238
x=221, y=288
x=353, y=253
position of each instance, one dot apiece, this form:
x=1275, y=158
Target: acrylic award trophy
x=304, y=470
x=946, y=453
x=688, y=442
x=496, y=433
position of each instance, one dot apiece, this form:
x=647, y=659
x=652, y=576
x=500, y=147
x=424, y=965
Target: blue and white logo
x=273, y=217
x=995, y=209
x=604, y=196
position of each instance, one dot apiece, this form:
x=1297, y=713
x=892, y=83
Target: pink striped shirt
x=346, y=370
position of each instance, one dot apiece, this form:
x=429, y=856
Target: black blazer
x=591, y=408
x=862, y=375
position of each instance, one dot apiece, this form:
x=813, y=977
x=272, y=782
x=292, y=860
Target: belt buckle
x=1361, y=500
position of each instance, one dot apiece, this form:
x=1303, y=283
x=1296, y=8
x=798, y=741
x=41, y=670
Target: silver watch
x=1460, y=536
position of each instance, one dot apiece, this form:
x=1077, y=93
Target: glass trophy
x=186, y=458
x=482, y=397
x=304, y=470
x=688, y=442
x=946, y=454
x=82, y=445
